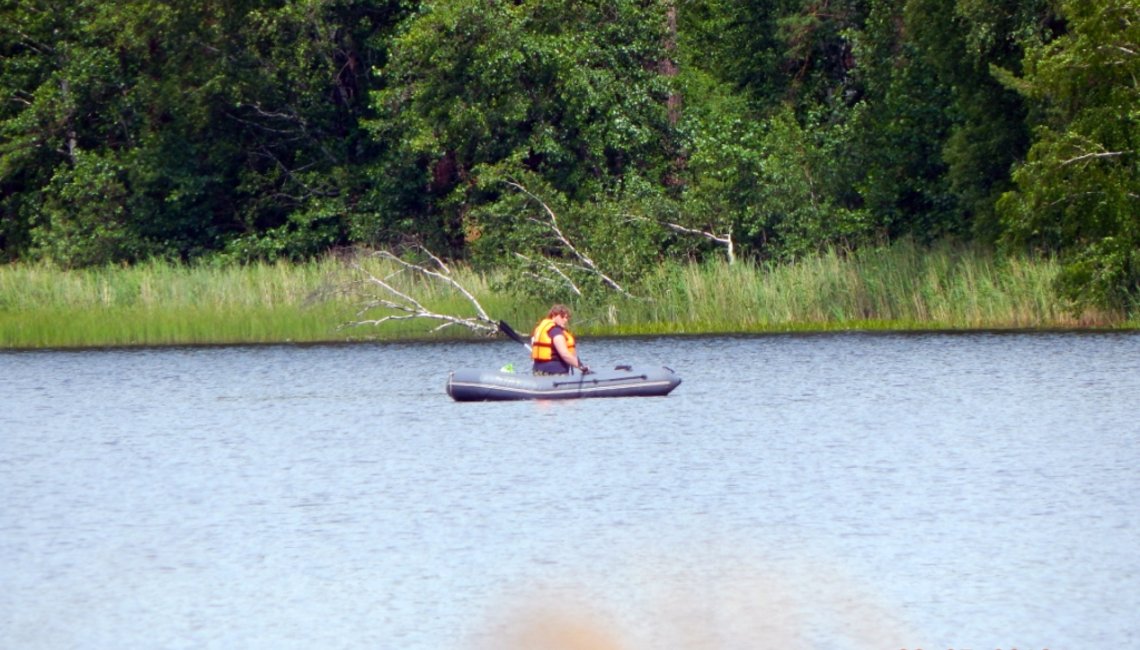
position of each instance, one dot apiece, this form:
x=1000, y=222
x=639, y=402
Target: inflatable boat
x=471, y=385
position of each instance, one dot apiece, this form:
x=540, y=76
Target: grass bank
x=901, y=287
x=169, y=304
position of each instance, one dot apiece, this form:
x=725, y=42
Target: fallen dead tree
x=401, y=305
x=565, y=266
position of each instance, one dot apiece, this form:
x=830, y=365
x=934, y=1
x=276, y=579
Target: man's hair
x=558, y=310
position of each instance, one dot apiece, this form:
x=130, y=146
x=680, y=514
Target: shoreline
x=901, y=288
x=805, y=331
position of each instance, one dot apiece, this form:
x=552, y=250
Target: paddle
x=509, y=331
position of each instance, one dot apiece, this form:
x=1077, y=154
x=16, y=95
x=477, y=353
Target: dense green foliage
x=1078, y=191
x=579, y=144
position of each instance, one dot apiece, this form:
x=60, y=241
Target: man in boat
x=552, y=345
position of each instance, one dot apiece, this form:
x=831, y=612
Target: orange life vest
x=542, y=346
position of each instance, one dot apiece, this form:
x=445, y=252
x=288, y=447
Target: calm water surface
x=838, y=491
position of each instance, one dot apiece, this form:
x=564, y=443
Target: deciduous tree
x=1078, y=192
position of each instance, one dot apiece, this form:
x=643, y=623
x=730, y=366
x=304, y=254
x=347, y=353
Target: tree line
x=579, y=142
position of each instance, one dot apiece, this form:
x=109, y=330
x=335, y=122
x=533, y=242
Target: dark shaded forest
x=538, y=134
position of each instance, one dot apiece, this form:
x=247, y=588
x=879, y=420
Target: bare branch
x=725, y=239
x=554, y=267
x=438, y=262
x=1121, y=48
x=552, y=223
x=1104, y=154
x=408, y=308
x=40, y=47
x=443, y=277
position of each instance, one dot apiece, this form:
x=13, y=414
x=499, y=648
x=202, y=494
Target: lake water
x=828, y=491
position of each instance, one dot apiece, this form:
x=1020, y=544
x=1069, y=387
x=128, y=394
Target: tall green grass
x=154, y=304
x=901, y=287
x=171, y=304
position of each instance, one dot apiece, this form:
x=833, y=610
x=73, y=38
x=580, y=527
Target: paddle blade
x=509, y=331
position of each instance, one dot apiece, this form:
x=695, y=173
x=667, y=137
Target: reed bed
x=162, y=304
x=170, y=304
x=904, y=286
x=901, y=287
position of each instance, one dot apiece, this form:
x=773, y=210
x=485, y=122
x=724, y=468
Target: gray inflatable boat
x=472, y=385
